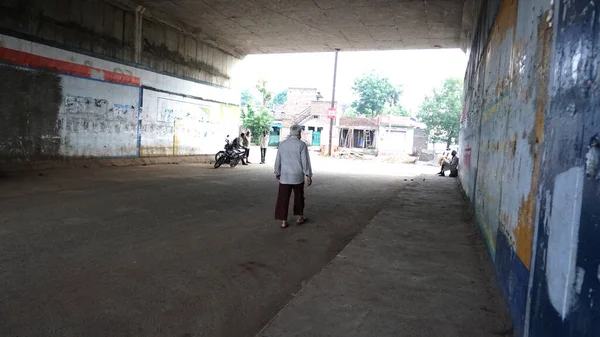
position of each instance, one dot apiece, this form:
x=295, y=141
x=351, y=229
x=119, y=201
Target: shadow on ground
x=169, y=250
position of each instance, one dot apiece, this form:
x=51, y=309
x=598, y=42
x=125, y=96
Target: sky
x=418, y=71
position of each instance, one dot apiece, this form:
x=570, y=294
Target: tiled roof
x=358, y=121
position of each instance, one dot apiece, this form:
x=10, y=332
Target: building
x=397, y=134
x=384, y=134
x=305, y=108
x=358, y=133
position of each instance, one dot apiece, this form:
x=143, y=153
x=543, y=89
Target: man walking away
x=264, y=143
x=247, y=143
x=292, y=165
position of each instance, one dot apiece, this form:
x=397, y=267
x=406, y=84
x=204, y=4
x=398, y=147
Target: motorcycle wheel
x=219, y=161
x=219, y=154
x=233, y=162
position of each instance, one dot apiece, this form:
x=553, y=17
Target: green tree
x=280, y=98
x=441, y=111
x=397, y=110
x=350, y=112
x=246, y=98
x=257, y=121
x=375, y=92
x=266, y=95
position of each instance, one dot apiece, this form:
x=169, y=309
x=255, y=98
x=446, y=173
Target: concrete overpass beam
x=137, y=38
x=100, y=79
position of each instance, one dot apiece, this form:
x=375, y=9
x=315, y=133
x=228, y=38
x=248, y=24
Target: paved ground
x=170, y=250
x=418, y=269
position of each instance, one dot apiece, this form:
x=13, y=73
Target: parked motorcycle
x=232, y=156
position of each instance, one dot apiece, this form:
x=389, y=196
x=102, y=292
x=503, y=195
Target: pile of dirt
x=352, y=154
x=399, y=158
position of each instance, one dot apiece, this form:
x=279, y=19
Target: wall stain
x=162, y=52
x=29, y=114
x=524, y=231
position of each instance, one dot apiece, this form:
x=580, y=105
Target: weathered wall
x=56, y=103
x=173, y=124
x=104, y=30
x=32, y=132
x=565, y=287
x=531, y=109
x=420, y=141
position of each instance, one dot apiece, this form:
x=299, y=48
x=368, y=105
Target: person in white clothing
x=264, y=143
x=292, y=167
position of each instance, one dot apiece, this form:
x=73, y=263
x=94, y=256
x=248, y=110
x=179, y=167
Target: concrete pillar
x=139, y=19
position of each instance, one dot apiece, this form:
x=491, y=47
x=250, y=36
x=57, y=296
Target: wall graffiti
x=195, y=126
x=85, y=105
x=526, y=130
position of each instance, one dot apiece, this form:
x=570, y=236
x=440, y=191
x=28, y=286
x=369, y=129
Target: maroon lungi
x=283, y=201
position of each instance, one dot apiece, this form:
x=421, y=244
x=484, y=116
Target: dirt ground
x=171, y=250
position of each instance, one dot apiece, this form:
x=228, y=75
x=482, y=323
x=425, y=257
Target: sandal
x=284, y=225
x=302, y=222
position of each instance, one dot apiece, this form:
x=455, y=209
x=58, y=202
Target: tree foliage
x=397, y=110
x=257, y=121
x=350, y=112
x=246, y=98
x=375, y=92
x=266, y=95
x=441, y=111
x=256, y=116
x=280, y=98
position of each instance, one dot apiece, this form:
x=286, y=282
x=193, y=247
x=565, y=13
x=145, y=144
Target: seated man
x=451, y=166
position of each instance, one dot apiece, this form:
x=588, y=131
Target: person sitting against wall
x=451, y=166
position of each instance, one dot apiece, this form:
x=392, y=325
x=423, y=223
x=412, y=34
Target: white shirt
x=293, y=162
x=264, y=141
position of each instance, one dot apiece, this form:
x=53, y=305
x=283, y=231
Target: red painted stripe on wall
x=64, y=67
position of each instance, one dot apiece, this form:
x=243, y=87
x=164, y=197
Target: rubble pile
x=399, y=158
x=344, y=153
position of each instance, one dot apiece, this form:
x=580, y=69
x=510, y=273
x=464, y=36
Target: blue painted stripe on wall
x=513, y=277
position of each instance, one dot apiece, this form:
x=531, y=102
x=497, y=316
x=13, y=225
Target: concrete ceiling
x=282, y=26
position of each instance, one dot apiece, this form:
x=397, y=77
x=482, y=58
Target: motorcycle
x=232, y=156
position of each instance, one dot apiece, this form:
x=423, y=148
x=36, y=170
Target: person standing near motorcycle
x=292, y=165
x=247, y=144
x=239, y=143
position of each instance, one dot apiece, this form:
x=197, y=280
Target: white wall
x=98, y=118
x=399, y=140
x=176, y=125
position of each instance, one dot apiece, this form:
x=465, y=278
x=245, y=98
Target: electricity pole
x=333, y=101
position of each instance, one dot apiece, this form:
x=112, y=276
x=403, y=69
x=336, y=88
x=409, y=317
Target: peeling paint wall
x=57, y=104
x=177, y=125
x=530, y=110
x=565, y=286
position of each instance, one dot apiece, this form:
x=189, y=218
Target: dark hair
x=454, y=153
x=242, y=135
